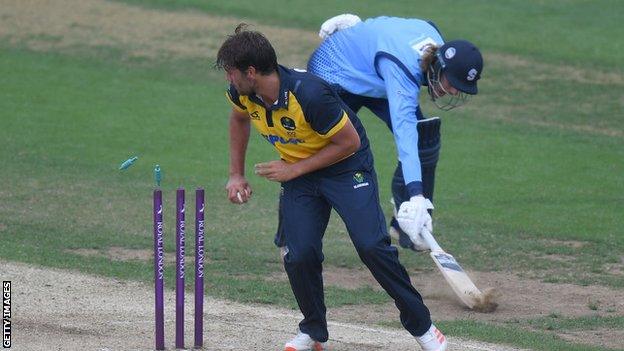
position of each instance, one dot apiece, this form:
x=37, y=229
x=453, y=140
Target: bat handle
x=430, y=240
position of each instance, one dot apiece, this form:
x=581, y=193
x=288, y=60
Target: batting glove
x=337, y=23
x=413, y=217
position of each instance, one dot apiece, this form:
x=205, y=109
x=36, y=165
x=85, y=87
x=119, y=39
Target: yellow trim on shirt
x=236, y=107
x=335, y=129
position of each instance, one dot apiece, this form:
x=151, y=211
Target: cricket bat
x=455, y=276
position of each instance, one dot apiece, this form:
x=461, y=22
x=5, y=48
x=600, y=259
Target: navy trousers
x=381, y=109
x=305, y=206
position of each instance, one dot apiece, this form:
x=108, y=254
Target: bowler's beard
x=249, y=91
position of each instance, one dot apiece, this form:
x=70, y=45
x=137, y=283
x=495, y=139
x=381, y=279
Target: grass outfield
x=556, y=31
x=531, y=165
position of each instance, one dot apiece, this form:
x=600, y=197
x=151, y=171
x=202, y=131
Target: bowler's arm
x=341, y=145
x=239, y=138
x=238, y=188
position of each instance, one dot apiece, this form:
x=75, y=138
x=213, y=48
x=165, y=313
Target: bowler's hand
x=238, y=189
x=277, y=171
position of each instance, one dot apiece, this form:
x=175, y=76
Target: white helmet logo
x=472, y=74
x=449, y=53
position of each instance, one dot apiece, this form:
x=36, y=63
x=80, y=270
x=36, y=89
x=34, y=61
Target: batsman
x=381, y=64
x=325, y=163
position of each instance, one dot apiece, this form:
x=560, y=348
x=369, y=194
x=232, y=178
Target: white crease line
x=375, y=330
x=473, y=347
x=270, y=314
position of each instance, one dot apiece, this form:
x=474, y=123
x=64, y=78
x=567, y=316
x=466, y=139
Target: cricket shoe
x=432, y=340
x=303, y=342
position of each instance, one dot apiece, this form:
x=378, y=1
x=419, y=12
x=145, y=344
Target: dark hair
x=247, y=48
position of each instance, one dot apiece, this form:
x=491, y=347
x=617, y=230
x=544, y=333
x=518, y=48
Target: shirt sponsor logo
x=273, y=139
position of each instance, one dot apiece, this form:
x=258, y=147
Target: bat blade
x=456, y=277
